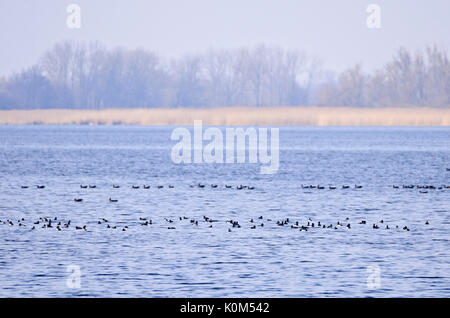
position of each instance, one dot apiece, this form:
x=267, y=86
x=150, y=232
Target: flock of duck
x=331, y=187
x=404, y=186
x=241, y=187
x=171, y=224
x=260, y=222
x=115, y=186
x=422, y=188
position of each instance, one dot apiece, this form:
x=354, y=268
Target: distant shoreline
x=233, y=116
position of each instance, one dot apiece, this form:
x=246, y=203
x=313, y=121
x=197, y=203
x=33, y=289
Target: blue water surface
x=202, y=261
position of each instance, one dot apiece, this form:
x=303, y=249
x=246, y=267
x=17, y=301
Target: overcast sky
x=334, y=31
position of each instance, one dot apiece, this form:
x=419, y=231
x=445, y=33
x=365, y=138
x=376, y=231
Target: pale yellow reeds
x=235, y=116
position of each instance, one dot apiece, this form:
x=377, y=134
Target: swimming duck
x=213, y=185
x=134, y=187
x=358, y=186
x=40, y=186
x=115, y=186
x=24, y=187
x=78, y=200
x=146, y=186
x=83, y=186
x=345, y=187
x=113, y=200
x=92, y=186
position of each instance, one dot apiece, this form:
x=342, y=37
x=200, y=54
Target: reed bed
x=233, y=116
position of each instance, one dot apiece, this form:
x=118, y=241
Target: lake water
x=202, y=261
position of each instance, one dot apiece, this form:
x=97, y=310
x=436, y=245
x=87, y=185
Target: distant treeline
x=78, y=75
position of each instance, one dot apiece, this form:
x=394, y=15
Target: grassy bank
x=238, y=116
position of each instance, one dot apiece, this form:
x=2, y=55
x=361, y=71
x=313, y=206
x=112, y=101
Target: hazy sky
x=334, y=31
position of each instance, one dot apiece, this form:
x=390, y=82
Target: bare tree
x=89, y=75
